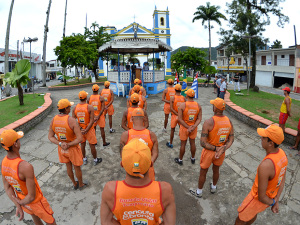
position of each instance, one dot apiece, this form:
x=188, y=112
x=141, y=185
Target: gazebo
x=153, y=80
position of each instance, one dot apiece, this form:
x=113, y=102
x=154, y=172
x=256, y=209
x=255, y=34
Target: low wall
x=27, y=122
x=57, y=88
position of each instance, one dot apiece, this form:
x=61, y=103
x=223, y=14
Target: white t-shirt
x=223, y=86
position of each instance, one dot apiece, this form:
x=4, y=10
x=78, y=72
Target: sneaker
x=85, y=184
x=107, y=144
x=193, y=160
x=212, y=190
x=169, y=145
x=178, y=162
x=194, y=192
x=84, y=161
x=99, y=160
x=112, y=131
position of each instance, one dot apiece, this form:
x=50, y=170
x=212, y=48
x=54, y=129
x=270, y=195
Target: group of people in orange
x=139, y=199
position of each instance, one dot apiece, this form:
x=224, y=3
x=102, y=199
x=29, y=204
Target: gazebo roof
x=135, y=45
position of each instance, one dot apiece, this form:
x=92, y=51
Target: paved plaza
x=83, y=207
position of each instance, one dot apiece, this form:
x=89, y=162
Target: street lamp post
x=31, y=40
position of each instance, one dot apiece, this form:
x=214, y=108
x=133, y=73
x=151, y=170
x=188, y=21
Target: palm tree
x=208, y=13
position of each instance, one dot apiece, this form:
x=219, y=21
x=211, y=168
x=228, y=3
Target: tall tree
x=209, y=13
x=46, y=29
x=7, y=44
x=249, y=18
x=276, y=44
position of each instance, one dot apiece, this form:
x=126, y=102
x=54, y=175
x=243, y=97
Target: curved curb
x=33, y=118
x=58, y=88
x=256, y=121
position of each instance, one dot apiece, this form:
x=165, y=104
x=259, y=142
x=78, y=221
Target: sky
x=29, y=19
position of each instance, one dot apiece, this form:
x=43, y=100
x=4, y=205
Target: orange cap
x=138, y=112
x=274, y=132
x=136, y=81
x=178, y=87
x=82, y=95
x=136, y=88
x=134, y=98
x=219, y=103
x=136, y=157
x=9, y=137
x=106, y=83
x=170, y=81
x=190, y=93
x=64, y=103
x=95, y=87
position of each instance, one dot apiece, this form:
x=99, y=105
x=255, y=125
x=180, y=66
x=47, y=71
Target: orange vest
x=61, y=128
x=280, y=162
x=220, y=132
x=138, y=205
x=190, y=113
x=96, y=103
x=10, y=171
x=178, y=99
x=106, y=95
x=170, y=92
x=144, y=134
x=82, y=115
x=129, y=120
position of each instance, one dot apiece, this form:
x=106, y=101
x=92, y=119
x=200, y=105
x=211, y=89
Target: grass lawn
x=11, y=110
x=266, y=105
x=189, y=79
x=81, y=81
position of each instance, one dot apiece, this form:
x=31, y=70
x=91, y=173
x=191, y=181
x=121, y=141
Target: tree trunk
x=64, y=34
x=95, y=66
x=7, y=46
x=252, y=77
x=46, y=29
x=20, y=94
x=209, y=51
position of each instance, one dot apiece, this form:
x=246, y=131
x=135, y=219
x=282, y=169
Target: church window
x=162, y=21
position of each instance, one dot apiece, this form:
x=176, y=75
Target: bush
x=256, y=89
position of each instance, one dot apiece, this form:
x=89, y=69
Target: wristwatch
x=59, y=143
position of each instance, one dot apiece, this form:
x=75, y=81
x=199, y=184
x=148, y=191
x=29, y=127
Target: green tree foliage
x=19, y=77
x=75, y=51
x=250, y=17
x=276, y=44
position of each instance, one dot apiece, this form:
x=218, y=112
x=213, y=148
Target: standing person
x=236, y=80
x=68, y=138
x=269, y=180
x=295, y=147
x=167, y=93
x=122, y=67
x=218, y=83
x=98, y=104
x=285, y=109
x=189, y=117
x=146, y=66
x=108, y=96
x=223, y=88
x=147, y=200
x=142, y=100
x=133, y=67
x=136, y=82
x=127, y=66
x=175, y=102
x=143, y=90
x=20, y=183
x=216, y=137
x=127, y=115
x=84, y=113
x=139, y=131
x=215, y=85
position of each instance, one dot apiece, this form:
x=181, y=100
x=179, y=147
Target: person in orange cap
x=148, y=199
x=142, y=100
x=68, y=138
x=189, y=117
x=216, y=137
x=136, y=82
x=139, y=131
x=285, y=109
x=127, y=119
x=269, y=180
x=143, y=90
x=108, y=96
x=20, y=183
x=167, y=93
x=84, y=114
x=175, y=102
x=98, y=104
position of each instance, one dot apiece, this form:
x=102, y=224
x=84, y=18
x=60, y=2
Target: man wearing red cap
x=137, y=199
x=189, y=117
x=167, y=93
x=84, y=113
x=216, y=137
x=68, y=138
x=20, y=183
x=285, y=109
x=269, y=180
x=108, y=96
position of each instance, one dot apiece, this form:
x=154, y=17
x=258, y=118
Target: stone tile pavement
x=82, y=207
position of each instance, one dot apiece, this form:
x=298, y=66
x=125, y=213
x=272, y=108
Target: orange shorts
x=250, y=207
x=90, y=136
x=101, y=121
x=41, y=209
x=110, y=111
x=283, y=118
x=167, y=108
x=184, y=134
x=208, y=157
x=151, y=173
x=72, y=154
x=174, y=121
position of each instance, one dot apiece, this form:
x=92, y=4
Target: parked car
x=60, y=77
